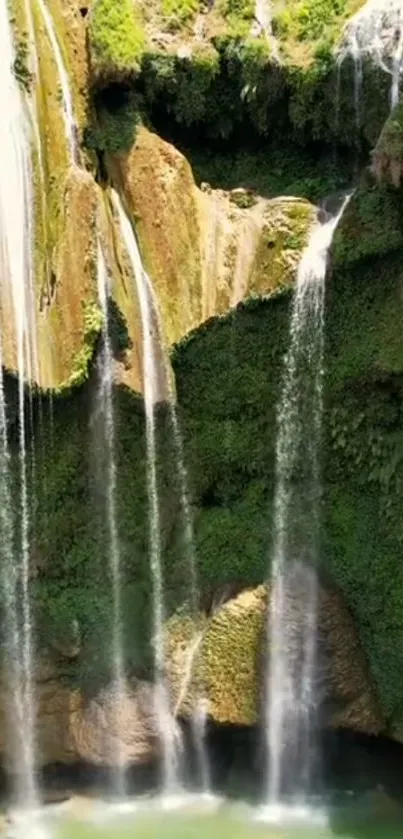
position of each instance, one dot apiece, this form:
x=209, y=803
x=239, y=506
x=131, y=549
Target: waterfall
x=375, y=32
x=68, y=108
x=263, y=18
x=198, y=720
x=291, y=675
x=166, y=722
x=17, y=279
x=105, y=396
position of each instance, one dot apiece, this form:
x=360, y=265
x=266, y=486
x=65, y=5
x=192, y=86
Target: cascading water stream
x=263, y=18
x=291, y=675
x=375, y=32
x=165, y=720
x=110, y=478
x=16, y=265
x=68, y=107
x=199, y=721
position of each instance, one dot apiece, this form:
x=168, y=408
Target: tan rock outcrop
x=204, y=249
x=219, y=659
x=95, y=731
x=72, y=728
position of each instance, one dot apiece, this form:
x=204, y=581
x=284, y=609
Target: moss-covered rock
x=228, y=664
x=372, y=225
x=387, y=159
x=209, y=72
x=202, y=249
x=116, y=38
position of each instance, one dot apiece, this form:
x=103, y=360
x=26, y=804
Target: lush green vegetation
x=117, y=38
x=228, y=377
x=232, y=93
x=113, y=127
x=179, y=12
x=311, y=20
x=230, y=86
x=93, y=320
x=272, y=171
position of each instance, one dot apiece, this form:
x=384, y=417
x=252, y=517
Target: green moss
x=116, y=37
x=21, y=63
x=282, y=240
x=236, y=9
x=391, y=140
x=272, y=171
x=308, y=20
x=372, y=224
x=93, y=320
x=230, y=658
x=113, y=129
x=179, y=12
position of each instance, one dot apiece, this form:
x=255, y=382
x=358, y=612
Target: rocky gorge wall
x=222, y=256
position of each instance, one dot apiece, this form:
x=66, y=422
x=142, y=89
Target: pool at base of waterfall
x=205, y=817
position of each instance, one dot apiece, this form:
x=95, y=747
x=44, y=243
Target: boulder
x=228, y=671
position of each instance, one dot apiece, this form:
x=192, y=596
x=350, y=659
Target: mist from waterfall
x=166, y=723
x=291, y=676
x=375, y=32
x=109, y=480
x=68, y=107
x=16, y=236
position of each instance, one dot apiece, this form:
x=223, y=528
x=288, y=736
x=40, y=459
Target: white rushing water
x=165, y=719
x=291, y=693
x=375, y=32
x=263, y=19
x=199, y=721
x=105, y=396
x=16, y=276
x=68, y=107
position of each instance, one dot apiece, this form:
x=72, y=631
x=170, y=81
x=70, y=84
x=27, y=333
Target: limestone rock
x=228, y=664
x=72, y=728
x=93, y=733
x=205, y=249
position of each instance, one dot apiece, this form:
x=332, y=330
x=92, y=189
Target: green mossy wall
x=232, y=92
x=232, y=95
x=228, y=379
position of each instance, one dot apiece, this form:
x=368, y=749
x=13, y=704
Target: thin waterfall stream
x=16, y=275
x=68, y=107
x=291, y=674
x=105, y=396
x=199, y=717
x=153, y=352
x=375, y=32
x=165, y=720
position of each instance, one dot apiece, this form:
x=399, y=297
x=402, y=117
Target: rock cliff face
x=206, y=250
x=228, y=663
x=221, y=240
x=226, y=670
